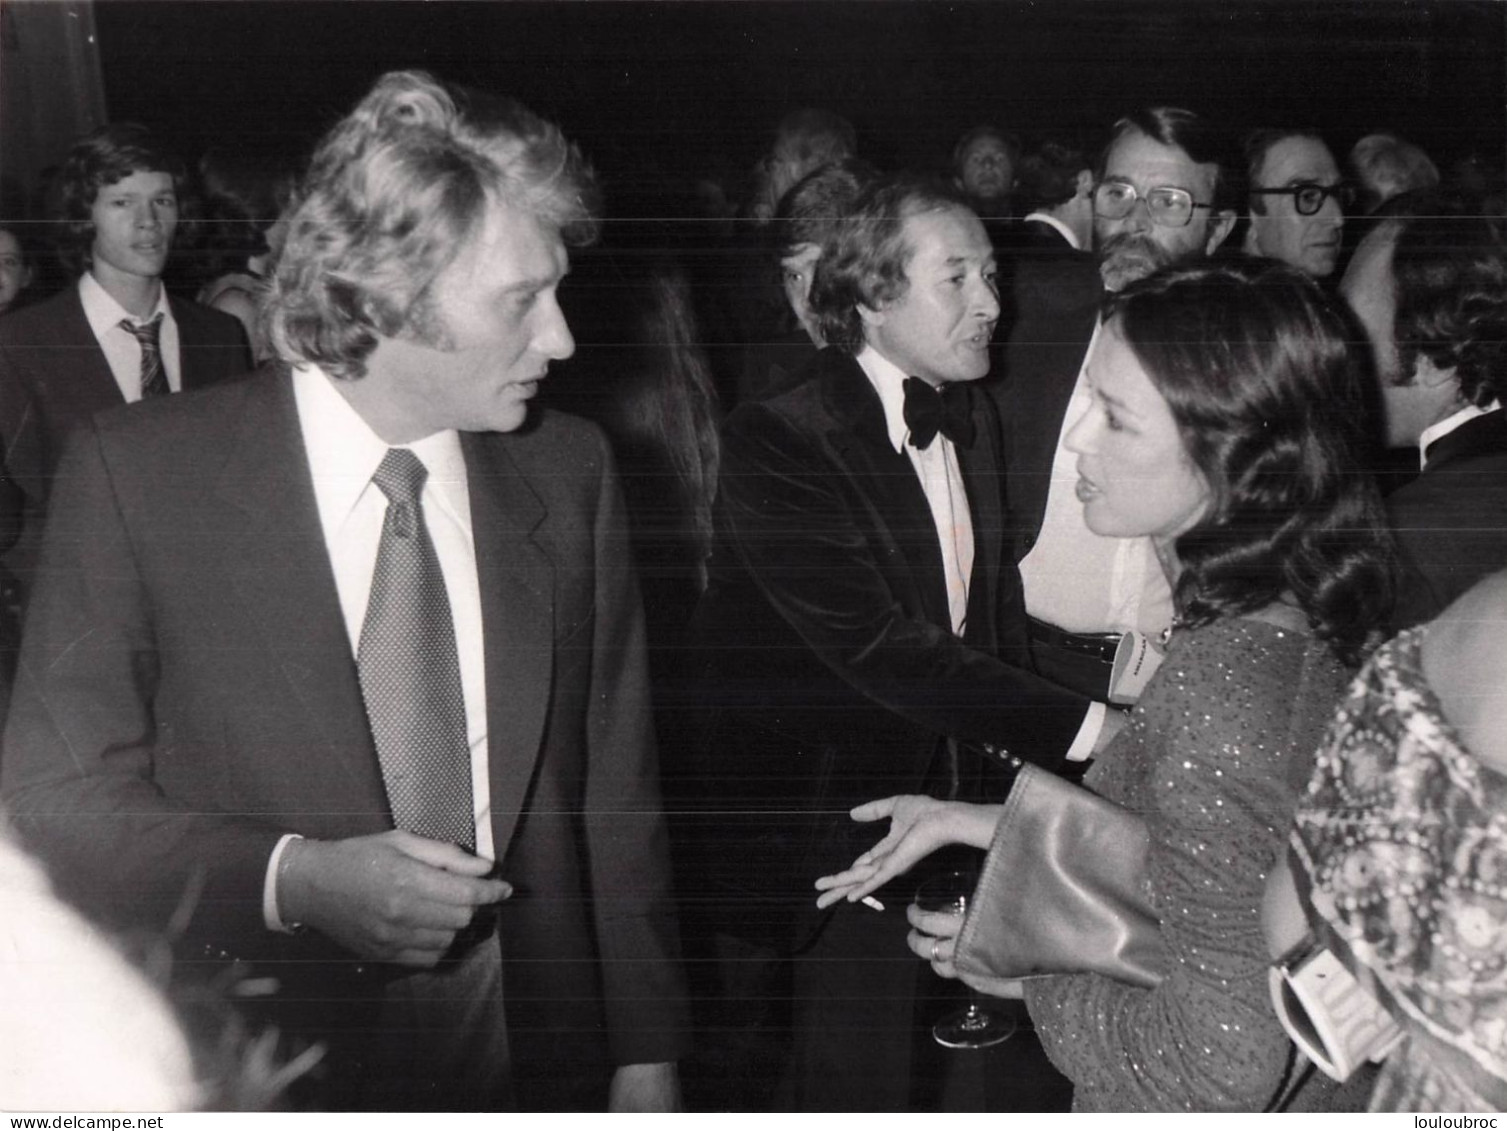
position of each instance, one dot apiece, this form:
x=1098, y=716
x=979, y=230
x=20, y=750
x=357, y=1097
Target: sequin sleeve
x=1210, y=757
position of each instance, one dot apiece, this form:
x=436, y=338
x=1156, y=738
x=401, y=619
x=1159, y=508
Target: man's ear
x=1083, y=185
x=870, y=316
x=1219, y=229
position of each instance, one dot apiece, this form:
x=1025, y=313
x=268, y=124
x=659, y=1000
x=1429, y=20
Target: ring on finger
x=934, y=944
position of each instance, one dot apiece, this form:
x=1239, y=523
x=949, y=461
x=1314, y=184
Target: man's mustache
x=1128, y=244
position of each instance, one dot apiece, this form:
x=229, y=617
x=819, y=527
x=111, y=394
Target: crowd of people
x=453, y=686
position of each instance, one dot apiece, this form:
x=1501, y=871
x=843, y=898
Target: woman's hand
x=918, y=827
x=934, y=937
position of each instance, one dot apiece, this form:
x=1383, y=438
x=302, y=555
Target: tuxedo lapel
x=280, y=572
x=982, y=466
x=887, y=480
x=1480, y=436
x=517, y=584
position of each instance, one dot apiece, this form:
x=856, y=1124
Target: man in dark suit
x=116, y=337
x=865, y=622
x=340, y=670
x=1162, y=197
x=1429, y=284
x=1056, y=186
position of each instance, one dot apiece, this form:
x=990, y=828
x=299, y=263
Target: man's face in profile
x=486, y=332
x=1309, y=243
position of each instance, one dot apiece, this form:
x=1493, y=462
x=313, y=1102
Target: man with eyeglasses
x=1297, y=200
x=1161, y=197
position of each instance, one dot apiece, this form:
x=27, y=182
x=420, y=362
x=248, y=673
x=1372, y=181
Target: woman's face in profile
x=1134, y=477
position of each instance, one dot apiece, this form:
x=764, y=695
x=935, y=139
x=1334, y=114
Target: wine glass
x=979, y=1025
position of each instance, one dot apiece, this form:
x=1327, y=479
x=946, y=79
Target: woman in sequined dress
x=1400, y=848
x=1226, y=424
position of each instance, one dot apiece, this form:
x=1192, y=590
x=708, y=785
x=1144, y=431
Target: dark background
x=657, y=93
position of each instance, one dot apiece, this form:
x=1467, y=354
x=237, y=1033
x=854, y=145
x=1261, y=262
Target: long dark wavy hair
x=1270, y=401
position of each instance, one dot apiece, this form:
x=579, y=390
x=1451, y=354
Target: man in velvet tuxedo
x=114, y=338
x=339, y=671
x=1429, y=284
x=865, y=622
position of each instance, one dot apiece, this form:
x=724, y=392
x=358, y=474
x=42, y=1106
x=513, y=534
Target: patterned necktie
x=153, y=375
x=410, y=671
x=929, y=410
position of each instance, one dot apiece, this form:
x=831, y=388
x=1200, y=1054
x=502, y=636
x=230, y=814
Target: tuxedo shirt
x=941, y=481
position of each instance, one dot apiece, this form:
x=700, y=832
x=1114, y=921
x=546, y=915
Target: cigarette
x=870, y=901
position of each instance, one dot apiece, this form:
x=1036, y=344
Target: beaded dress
x=1402, y=838
x=1214, y=756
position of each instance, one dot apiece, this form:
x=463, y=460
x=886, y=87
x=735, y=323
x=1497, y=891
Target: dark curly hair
x=97, y=160
x=809, y=211
x=1271, y=405
x=1449, y=268
x=864, y=259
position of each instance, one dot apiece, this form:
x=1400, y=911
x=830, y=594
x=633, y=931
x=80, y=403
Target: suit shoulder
x=197, y=416
x=38, y=322
x=559, y=438
x=212, y=324
x=800, y=404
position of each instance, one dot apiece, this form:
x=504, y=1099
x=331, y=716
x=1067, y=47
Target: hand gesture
x=918, y=827
x=393, y=897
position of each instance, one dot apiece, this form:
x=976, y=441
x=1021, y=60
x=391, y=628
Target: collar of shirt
x=104, y=313
x=1443, y=428
x=1052, y=222
x=888, y=380
x=344, y=453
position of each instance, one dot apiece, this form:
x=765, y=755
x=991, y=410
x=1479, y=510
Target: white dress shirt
x=941, y=481
x=1080, y=581
x=1052, y=222
x=121, y=348
x=343, y=454
x=1442, y=428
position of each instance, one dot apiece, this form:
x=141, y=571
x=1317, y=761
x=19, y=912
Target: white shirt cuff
x=1082, y=748
x=270, y=915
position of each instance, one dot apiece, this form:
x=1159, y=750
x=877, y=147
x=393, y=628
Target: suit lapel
x=517, y=582
x=281, y=574
x=886, y=479
x=90, y=385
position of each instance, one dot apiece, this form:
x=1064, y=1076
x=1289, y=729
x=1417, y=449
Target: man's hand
x=645, y=1087
x=393, y=897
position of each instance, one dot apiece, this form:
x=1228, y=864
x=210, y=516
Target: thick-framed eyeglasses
x=1308, y=198
x=1169, y=207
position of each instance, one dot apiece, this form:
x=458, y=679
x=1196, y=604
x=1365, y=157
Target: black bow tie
x=929, y=410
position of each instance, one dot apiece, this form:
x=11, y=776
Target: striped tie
x=153, y=375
